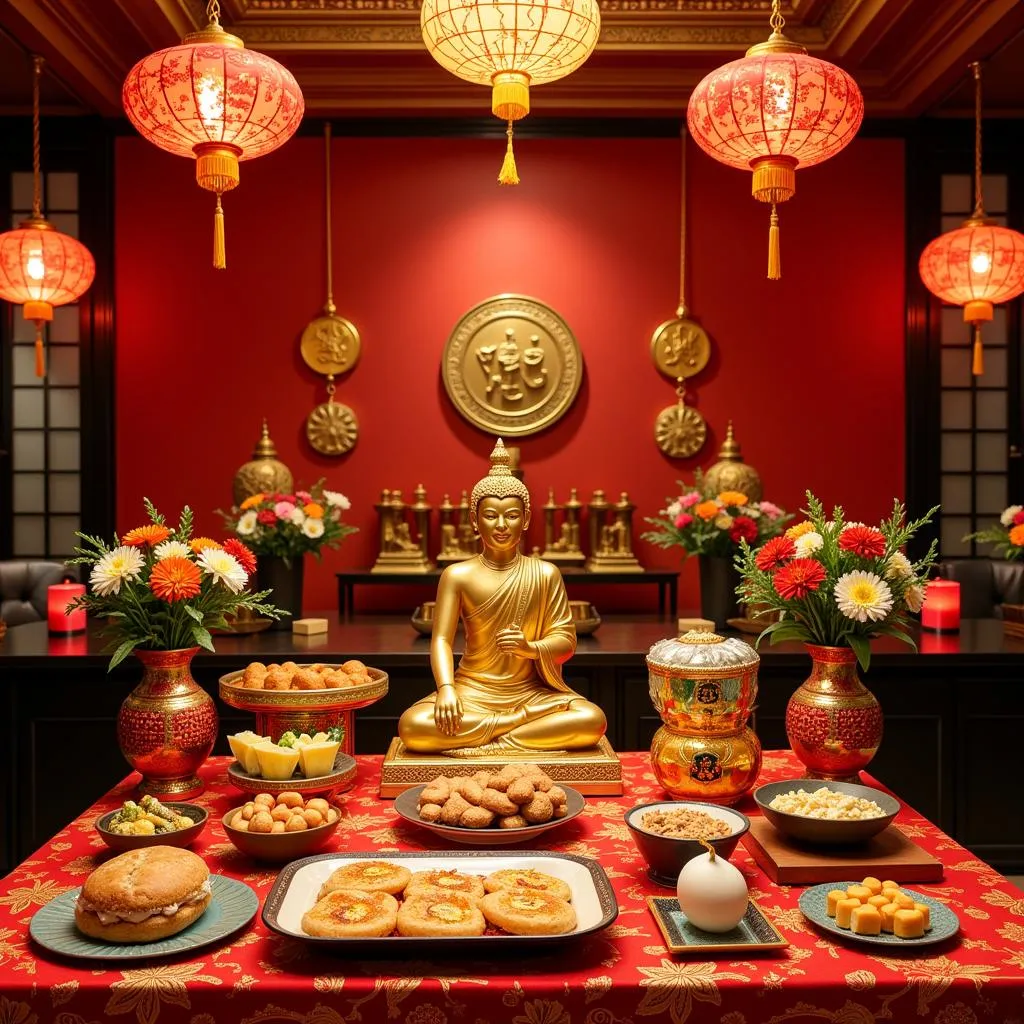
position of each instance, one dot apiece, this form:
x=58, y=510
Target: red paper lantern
x=41, y=267
x=213, y=100
x=979, y=263
x=776, y=109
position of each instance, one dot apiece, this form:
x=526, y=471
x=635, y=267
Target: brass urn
x=263, y=473
x=731, y=473
x=704, y=686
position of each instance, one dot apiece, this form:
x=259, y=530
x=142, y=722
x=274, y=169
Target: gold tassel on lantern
x=978, y=362
x=508, y=174
x=510, y=100
x=40, y=354
x=219, y=252
x=976, y=313
x=774, y=253
x=217, y=172
x=40, y=313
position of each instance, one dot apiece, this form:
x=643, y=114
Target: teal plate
x=945, y=924
x=233, y=906
x=753, y=932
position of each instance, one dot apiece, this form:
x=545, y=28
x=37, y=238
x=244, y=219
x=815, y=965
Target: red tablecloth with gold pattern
x=623, y=975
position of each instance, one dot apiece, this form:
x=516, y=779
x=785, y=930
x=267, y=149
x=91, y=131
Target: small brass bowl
x=179, y=837
x=279, y=846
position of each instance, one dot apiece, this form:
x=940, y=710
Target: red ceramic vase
x=167, y=725
x=833, y=721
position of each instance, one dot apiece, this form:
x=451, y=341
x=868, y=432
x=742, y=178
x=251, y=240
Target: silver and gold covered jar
x=704, y=687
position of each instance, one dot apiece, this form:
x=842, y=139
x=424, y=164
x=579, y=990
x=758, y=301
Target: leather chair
x=985, y=585
x=23, y=588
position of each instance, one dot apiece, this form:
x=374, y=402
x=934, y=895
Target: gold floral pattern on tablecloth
x=621, y=975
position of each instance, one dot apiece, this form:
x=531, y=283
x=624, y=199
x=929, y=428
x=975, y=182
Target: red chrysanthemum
x=863, y=541
x=743, y=528
x=777, y=551
x=175, y=579
x=1018, y=519
x=245, y=557
x=266, y=516
x=146, y=536
x=799, y=578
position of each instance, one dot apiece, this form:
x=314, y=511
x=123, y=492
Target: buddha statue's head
x=499, y=505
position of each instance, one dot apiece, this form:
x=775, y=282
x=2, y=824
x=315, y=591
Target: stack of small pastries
x=289, y=676
x=877, y=906
x=514, y=797
x=375, y=898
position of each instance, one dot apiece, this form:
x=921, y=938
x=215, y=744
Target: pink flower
x=683, y=520
x=770, y=509
x=689, y=500
x=304, y=497
x=283, y=509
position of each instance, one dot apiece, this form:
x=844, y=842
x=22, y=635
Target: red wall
x=810, y=368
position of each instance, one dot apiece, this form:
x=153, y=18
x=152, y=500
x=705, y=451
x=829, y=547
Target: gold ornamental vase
x=167, y=725
x=833, y=721
x=704, y=686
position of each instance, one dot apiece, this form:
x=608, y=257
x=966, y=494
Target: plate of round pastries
x=513, y=805
x=451, y=898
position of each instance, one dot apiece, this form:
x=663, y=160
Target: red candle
x=59, y=619
x=941, y=610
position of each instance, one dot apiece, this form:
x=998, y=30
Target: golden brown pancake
x=517, y=880
x=434, y=912
x=367, y=876
x=349, y=913
x=446, y=881
x=528, y=912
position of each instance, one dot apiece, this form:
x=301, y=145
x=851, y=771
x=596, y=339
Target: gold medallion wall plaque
x=512, y=366
x=332, y=428
x=679, y=430
x=680, y=347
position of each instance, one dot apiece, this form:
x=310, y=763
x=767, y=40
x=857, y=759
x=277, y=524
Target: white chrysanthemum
x=808, y=544
x=752, y=511
x=1010, y=514
x=224, y=568
x=913, y=596
x=850, y=526
x=337, y=500
x=313, y=528
x=172, y=549
x=123, y=563
x=898, y=567
x=297, y=516
x=863, y=596
x=247, y=523
x=673, y=509
x=723, y=520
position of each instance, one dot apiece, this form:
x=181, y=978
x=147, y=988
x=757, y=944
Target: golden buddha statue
x=507, y=694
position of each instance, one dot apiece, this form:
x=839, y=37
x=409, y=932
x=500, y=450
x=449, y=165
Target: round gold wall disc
x=680, y=348
x=330, y=344
x=680, y=431
x=332, y=428
x=512, y=366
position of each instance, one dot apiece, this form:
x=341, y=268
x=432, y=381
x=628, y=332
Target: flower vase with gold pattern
x=167, y=725
x=703, y=687
x=833, y=721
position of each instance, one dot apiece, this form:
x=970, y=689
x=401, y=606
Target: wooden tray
x=889, y=855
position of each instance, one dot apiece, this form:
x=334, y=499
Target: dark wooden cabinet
x=953, y=718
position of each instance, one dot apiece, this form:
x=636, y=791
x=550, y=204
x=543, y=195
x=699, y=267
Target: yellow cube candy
x=892, y=891
x=908, y=924
x=925, y=912
x=889, y=884
x=844, y=911
x=878, y=901
x=859, y=892
x=866, y=920
x=904, y=902
x=888, y=913
x=873, y=884
x=832, y=899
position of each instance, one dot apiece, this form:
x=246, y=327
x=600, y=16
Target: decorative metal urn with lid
x=264, y=472
x=704, y=686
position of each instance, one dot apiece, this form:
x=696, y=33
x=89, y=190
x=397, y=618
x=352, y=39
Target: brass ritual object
x=562, y=546
x=263, y=473
x=512, y=366
x=680, y=349
x=731, y=473
x=458, y=538
x=611, y=535
x=704, y=688
x=330, y=346
x=400, y=550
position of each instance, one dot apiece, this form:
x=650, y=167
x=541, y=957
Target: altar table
x=622, y=975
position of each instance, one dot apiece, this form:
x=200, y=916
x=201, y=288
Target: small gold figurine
x=731, y=473
x=611, y=543
x=263, y=473
x=399, y=552
x=458, y=541
x=566, y=549
x=507, y=695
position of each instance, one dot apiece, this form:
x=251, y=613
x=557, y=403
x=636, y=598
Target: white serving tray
x=295, y=891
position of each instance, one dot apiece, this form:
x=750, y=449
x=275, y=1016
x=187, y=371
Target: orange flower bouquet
x=1007, y=537
x=163, y=589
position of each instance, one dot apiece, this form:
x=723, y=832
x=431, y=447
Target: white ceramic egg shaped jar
x=712, y=893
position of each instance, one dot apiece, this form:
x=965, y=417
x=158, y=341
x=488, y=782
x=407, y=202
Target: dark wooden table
x=666, y=581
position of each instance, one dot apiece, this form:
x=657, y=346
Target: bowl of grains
x=826, y=813
x=668, y=834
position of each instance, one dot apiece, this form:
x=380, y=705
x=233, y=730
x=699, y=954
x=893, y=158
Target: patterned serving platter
x=754, y=931
x=296, y=888
x=343, y=777
x=944, y=923
x=339, y=698
x=232, y=907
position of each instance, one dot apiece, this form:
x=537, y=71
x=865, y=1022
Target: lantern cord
x=219, y=248
x=40, y=354
x=37, y=197
x=330, y=308
x=774, y=251
x=681, y=309
x=979, y=207
x=777, y=21
x=508, y=175
x=978, y=363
